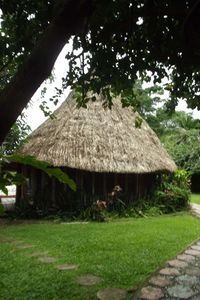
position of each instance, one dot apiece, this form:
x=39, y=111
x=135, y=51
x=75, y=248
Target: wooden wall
x=45, y=192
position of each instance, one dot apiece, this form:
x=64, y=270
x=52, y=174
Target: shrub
x=94, y=213
x=174, y=191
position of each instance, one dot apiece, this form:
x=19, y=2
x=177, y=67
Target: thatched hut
x=99, y=148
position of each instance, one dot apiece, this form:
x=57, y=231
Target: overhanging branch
x=70, y=20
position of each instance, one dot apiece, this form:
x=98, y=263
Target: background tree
x=182, y=140
x=117, y=41
x=178, y=131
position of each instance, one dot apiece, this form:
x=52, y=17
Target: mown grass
x=195, y=198
x=123, y=253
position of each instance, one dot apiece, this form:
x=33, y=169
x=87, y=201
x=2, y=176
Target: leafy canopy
x=120, y=41
x=178, y=131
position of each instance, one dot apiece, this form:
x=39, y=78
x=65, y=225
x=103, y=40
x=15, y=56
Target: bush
x=174, y=191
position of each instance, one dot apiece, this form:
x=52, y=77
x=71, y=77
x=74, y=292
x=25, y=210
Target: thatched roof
x=98, y=139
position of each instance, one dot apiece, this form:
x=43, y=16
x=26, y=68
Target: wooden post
x=138, y=182
x=126, y=184
x=126, y=188
x=105, y=192
x=18, y=189
x=137, y=186
x=43, y=179
x=115, y=180
x=33, y=183
x=93, y=184
x=53, y=193
x=24, y=186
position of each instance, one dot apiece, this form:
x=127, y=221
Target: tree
x=181, y=138
x=184, y=148
x=117, y=41
x=144, y=100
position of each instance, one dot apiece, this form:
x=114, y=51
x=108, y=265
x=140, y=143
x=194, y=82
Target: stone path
x=179, y=278
x=47, y=259
x=66, y=267
x=112, y=294
x=88, y=280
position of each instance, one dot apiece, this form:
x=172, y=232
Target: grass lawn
x=195, y=198
x=123, y=253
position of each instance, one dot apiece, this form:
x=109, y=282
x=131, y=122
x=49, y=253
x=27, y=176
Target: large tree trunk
x=70, y=20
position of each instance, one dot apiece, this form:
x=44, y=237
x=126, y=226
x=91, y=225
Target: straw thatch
x=98, y=140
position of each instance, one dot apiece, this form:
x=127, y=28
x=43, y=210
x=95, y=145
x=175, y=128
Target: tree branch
x=70, y=20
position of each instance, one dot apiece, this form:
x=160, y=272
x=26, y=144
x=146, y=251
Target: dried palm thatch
x=98, y=140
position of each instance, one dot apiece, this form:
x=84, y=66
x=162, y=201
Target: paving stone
x=169, y=271
x=37, y=253
x=196, y=247
x=181, y=292
x=88, y=280
x=198, y=243
x=151, y=293
x=66, y=267
x=178, y=263
x=47, y=259
x=4, y=239
x=186, y=257
x=196, y=263
x=160, y=281
x=25, y=246
x=193, y=252
x=16, y=242
x=193, y=271
x=112, y=294
x=188, y=279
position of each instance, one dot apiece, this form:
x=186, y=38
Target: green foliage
x=116, y=52
x=45, y=167
x=138, y=122
x=22, y=23
x=174, y=192
x=171, y=195
x=183, y=146
x=93, y=213
x=122, y=40
x=16, y=137
x=179, y=132
x=142, y=208
x=143, y=99
x=9, y=178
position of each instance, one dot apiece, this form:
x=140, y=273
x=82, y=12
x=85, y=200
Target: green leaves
x=122, y=41
x=16, y=136
x=138, y=122
x=45, y=167
x=183, y=145
x=9, y=178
